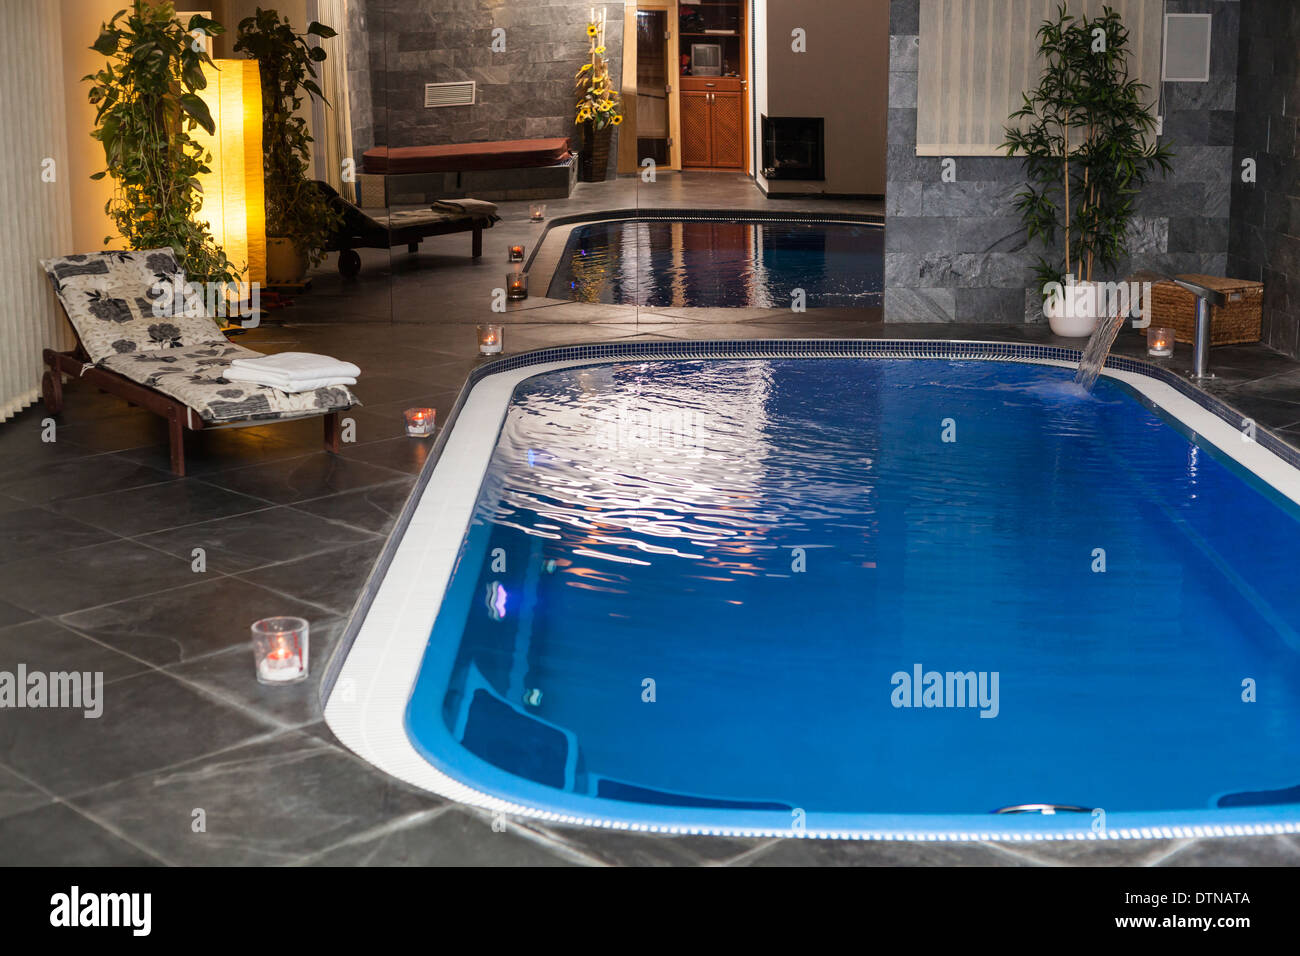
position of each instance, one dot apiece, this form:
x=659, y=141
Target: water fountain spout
x=1099, y=345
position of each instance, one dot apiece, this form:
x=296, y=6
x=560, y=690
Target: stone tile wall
x=1264, y=241
x=523, y=93
x=956, y=251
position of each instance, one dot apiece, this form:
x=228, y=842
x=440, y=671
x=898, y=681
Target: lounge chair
x=170, y=364
x=361, y=230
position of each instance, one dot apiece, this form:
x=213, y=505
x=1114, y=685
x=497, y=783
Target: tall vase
x=595, y=152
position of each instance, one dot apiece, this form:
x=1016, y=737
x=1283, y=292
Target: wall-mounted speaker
x=1187, y=47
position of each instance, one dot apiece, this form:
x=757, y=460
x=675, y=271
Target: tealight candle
x=537, y=211
x=490, y=339
x=280, y=649
x=1160, y=342
x=420, y=422
x=516, y=286
x=516, y=254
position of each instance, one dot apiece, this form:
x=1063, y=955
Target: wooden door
x=727, y=132
x=697, y=129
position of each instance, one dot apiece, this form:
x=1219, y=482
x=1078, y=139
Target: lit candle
x=420, y=422
x=280, y=649
x=537, y=211
x=490, y=339
x=1160, y=342
x=517, y=286
x=516, y=254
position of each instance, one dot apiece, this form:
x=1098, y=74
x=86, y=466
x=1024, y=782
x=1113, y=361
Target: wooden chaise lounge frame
x=362, y=231
x=180, y=416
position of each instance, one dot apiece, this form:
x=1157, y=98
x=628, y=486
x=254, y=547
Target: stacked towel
x=477, y=208
x=293, y=371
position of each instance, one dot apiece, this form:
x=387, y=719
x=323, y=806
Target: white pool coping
x=367, y=705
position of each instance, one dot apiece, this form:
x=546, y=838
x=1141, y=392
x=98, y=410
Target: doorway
x=657, y=135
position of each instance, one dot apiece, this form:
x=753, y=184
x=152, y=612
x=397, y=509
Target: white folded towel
x=300, y=366
x=256, y=377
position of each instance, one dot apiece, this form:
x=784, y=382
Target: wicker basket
x=1173, y=307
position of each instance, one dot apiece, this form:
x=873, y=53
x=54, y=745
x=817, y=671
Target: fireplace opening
x=794, y=147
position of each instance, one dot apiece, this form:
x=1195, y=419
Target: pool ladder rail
x=1047, y=809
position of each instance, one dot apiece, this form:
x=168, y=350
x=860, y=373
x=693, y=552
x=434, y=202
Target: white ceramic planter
x=1074, y=313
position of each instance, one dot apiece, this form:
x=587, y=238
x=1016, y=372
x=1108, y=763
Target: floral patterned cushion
x=194, y=376
x=113, y=301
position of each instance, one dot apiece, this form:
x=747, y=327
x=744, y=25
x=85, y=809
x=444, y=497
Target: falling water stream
x=1098, y=347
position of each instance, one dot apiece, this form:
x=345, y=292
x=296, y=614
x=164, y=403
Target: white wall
x=758, y=87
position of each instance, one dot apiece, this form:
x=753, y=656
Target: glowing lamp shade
x=233, y=200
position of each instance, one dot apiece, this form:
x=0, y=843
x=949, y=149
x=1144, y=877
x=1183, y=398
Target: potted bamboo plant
x=146, y=104
x=598, y=106
x=299, y=219
x=1086, y=136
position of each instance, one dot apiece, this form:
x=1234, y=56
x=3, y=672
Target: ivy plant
x=296, y=208
x=1086, y=136
x=146, y=105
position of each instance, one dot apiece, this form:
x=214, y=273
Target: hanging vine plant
x=146, y=104
x=1087, y=140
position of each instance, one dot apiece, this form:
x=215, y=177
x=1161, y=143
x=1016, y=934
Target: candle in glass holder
x=537, y=211
x=280, y=649
x=489, y=339
x=516, y=285
x=420, y=422
x=1160, y=342
x=516, y=254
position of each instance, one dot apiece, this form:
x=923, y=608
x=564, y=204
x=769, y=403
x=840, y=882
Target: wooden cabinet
x=713, y=124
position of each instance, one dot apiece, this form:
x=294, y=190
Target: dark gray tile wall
x=956, y=252
x=361, y=107
x=1265, y=234
x=523, y=93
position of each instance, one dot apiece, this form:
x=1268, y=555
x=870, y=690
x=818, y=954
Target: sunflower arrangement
x=598, y=101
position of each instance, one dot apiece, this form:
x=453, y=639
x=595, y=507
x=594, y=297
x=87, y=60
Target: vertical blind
x=977, y=57
x=337, y=132
x=33, y=195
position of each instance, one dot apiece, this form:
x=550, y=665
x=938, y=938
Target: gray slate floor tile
x=454, y=837
x=86, y=577
x=247, y=541
x=270, y=802
x=149, y=721
x=56, y=835
x=211, y=614
x=45, y=645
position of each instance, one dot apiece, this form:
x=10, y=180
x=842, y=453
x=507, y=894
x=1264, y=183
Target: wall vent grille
x=459, y=93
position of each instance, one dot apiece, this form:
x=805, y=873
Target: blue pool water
x=662, y=264
x=765, y=547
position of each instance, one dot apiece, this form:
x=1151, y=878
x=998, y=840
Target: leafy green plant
x=1086, y=137
x=146, y=104
x=295, y=208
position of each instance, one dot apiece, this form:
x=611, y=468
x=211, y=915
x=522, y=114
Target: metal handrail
x=1205, y=297
x=1044, y=808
